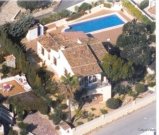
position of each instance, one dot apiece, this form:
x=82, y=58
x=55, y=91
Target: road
x=67, y=3
x=132, y=124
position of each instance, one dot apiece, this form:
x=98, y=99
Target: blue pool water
x=96, y=24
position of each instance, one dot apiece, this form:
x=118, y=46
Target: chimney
x=79, y=41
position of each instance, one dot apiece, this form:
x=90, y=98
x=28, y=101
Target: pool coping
x=93, y=18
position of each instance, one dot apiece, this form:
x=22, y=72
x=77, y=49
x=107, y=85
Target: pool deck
x=111, y=34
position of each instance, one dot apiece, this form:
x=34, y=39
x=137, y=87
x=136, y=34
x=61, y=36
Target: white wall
x=66, y=132
x=32, y=34
x=62, y=62
x=105, y=91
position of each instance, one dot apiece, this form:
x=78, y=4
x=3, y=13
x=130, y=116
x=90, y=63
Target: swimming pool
x=97, y=24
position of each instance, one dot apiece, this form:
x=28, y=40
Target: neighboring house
x=10, y=61
x=5, y=115
x=77, y=54
x=14, y=85
x=6, y=120
x=65, y=129
x=41, y=125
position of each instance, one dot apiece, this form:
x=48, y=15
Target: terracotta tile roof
x=48, y=42
x=75, y=35
x=97, y=47
x=81, y=60
x=57, y=40
x=43, y=125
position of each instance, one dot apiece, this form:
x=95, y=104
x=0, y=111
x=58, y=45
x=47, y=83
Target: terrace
x=14, y=85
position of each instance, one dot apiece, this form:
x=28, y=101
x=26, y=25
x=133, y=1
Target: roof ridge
x=85, y=65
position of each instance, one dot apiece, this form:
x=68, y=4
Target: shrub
x=140, y=88
x=64, y=106
x=90, y=117
x=152, y=38
x=33, y=4
x=55, y=17
x=64, y=13
x=93, y=109
x=84, y=7
x=103, y=111
x=113, y=103
x=75, y=16
x=144, y=4
x=110, y=0
x=108, y=5
x=85, y=114
x=121, y=89
x=80, y=123
x=152, y=84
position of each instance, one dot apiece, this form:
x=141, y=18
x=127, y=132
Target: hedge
x=135, y=12
x=55, y=17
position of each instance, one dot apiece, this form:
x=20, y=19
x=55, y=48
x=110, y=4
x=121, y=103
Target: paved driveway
x=67, y=3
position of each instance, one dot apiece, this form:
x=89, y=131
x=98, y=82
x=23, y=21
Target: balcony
x=94, y=85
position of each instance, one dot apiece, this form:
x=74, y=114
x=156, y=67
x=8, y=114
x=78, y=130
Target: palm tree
x=71, y=84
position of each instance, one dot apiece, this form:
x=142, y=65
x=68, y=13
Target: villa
x=76, y=48
x=77, y=54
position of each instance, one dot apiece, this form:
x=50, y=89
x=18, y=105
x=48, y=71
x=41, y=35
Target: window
x=92, y=79
x=42, y=51
x=66, y=72
x=55, y=61
x=49, y=56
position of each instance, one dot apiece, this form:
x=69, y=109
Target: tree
x=84, y=7
x=19, y=29
x=116, y=69
x=71, y=84
x=33, y=4
x=144, y=4
x=133, y=43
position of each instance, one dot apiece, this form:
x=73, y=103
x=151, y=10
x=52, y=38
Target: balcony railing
x=94, y=85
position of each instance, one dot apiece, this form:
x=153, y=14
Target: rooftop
x=43, y=125
x=55, y=40
x=16, y=89
x=14, y=85
x=81, y=60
